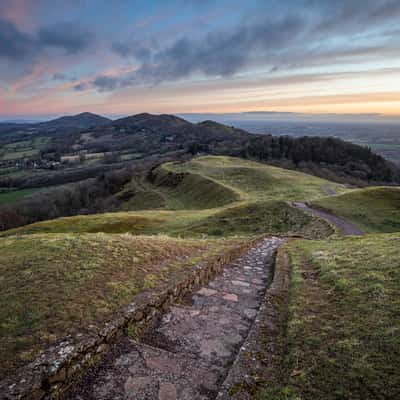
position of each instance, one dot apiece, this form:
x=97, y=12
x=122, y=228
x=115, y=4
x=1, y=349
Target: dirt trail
x=346, y=227
x=189, y=352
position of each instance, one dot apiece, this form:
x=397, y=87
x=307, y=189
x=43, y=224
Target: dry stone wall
x=50, y=375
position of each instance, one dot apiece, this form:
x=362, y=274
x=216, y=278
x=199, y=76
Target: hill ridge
x=82, y=120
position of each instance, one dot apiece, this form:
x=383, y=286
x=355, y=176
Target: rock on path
x=188, y=353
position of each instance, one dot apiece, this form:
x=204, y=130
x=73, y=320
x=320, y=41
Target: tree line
x=345, y=161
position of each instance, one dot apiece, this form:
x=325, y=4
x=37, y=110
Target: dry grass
x=343, y=331
x=57, y=284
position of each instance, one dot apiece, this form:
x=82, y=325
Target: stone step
x=143, y=372
x=188, y=353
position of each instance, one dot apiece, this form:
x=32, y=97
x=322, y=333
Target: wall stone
x=60, y=366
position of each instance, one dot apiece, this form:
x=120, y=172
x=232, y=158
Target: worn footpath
x=345, y=227
x=188, y=353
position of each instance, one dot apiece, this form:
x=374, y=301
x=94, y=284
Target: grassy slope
x=57, y=284
x=144, y=222
x=209, y=195
x=192, y=191
x=375, y=209
x=256, y=181
x=273, y=217
x=344, y=291
x=175, y=191
x=343, y=331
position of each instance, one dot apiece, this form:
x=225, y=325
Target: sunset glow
x=126, y=57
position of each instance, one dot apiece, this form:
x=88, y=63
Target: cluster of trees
x=60, y=177
x=88, y=196
x=345, y=161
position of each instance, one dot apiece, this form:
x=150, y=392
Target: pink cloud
x=20, y=11
x=38, y=72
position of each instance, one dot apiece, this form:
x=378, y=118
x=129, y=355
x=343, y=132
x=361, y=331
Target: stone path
x=188, y=353
x=346, y=227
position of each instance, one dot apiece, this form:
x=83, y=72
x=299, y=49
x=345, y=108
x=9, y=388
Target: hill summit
x=82, y=120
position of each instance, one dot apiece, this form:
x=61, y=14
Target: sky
x=123, y=57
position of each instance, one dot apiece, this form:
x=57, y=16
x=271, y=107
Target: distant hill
x=144, y=136
x=82, y=120
x=326, y=157
x=164, y=122
x=172, y=124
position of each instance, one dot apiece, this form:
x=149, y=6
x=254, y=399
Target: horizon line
x=266, y=113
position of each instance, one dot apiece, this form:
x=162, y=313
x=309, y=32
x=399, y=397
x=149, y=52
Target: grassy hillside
x=207, y=196
x=343, y=331
x=272, y=217
x=243, y=219
x=169, y=190
x=375, y=209
x=57, y=277
x=209, y=182
x=144, y=222
x=256, y=181
x=57, y=284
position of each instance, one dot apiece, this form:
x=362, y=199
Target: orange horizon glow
x=382, y=104
x=321, y=58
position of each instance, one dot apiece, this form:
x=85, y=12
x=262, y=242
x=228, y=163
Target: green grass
x=343, y=333
x=175, y=191
x=10, y=155
x=7, y=170
x=12, y=196
x=187, y=190
x=144, y=222
x=214, y=196
x=52, y=285
x=139, y=195
x=375, y=209
x=241, y=219
x=256, y=181
x=23, y=148
x=210, y=182
x=131, y=156
x=272, y=217
x=16, y=145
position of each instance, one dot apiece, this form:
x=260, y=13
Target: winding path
x=346, y=227
x=188, y=354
